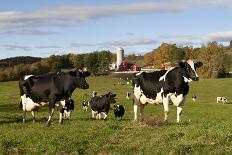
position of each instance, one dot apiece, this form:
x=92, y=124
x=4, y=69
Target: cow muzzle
x=86, y=86
x=195, y=78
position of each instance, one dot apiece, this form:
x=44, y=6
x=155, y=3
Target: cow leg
x=51, y=112
x=24, y=116
x=141, y=108
x=136, y=102
x=33, y=115
x=104, y=115
x=166, y=108
x=93, y=114
x=61, y=115
x=179, y=110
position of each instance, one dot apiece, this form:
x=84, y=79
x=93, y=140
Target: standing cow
x=164, y=86
x=39, y=90
x=100, y=105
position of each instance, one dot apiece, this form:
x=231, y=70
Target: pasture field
x=205, y=128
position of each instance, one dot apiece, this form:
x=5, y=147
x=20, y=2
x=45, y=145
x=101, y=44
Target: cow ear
x=86, y=73
x=198, y=64
x=182, y=64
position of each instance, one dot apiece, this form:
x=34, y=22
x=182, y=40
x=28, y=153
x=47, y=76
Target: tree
x=104, y=59
x=168, y=53
x=55, y=67
x=149, y=58
x=80, y=63
x=91, y=61
x=212, y=56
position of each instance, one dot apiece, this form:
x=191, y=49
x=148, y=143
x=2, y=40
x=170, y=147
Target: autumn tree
x=168, y=53
x=212, y=56
x=149, y=58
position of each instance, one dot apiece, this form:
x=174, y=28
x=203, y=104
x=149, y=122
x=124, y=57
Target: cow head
x=80, y=78
x=190, y=69
x=111, y=97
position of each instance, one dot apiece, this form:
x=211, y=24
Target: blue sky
x=41, y=28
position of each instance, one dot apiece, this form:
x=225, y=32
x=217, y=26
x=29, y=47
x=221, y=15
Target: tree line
x=96, y=62
x=216, y=58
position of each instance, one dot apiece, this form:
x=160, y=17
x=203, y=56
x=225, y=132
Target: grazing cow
x=119, y=111
x=38, y=90
x=66, y=109
x=100, y=105
x=164, y=86
x=194, y=98
x=221, y=99
x=85, y=105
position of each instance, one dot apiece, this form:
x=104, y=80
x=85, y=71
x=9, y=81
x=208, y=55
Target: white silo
x=120, y=56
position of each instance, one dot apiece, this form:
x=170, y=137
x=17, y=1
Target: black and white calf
x=100, y=105
x=119, y=111
x=39, y=90
x=67, y=108
x=221, y=99
x=85, y=105
x=164, y=86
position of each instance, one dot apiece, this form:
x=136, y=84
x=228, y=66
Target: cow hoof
x=48, y=123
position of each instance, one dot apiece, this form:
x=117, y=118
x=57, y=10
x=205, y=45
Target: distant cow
x=100, y=105
x=194, y=98
x=221, y=99
x=164, y=86
x=119, y=111
x=38, y=90
x=85, y=105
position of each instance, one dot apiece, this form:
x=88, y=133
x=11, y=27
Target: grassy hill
x=206, y=127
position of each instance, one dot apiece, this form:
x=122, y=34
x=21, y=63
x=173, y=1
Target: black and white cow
x=39, y=90
x=100, y=105
x=119, y=111
x=164, y=86
x=66, y=109
x=221, y=99
x=85, y=105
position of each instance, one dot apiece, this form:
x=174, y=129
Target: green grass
x=205, y=128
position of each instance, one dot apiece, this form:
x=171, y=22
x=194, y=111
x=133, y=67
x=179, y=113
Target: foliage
x=217, y=59
x=212, y=57
x=168, y=53
x=149, y=58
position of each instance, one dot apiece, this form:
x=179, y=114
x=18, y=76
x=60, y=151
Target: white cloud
x=74, y=15
x=131, y=42
x=29, y=32
x=15, y=47
x=221, y=37
x=47, y=47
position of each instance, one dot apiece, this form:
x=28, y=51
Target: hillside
x=9, y=62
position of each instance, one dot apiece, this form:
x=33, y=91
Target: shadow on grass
x=18, y=119
x=10, y=108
